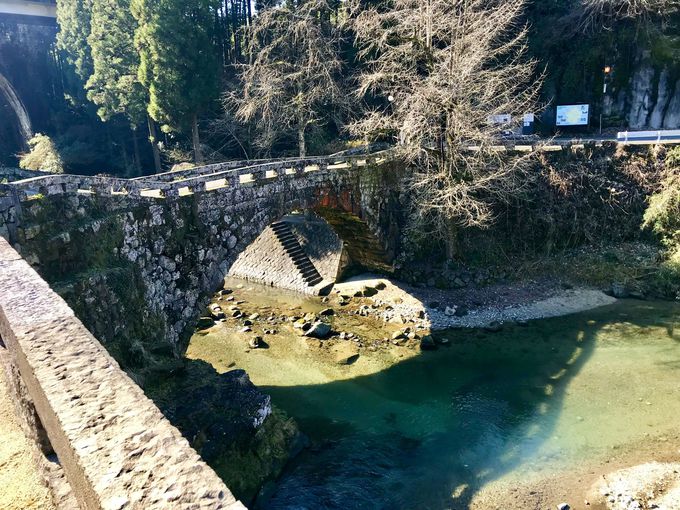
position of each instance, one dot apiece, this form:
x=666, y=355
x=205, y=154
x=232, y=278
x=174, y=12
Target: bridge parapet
x=198, y=180
x=116, y=448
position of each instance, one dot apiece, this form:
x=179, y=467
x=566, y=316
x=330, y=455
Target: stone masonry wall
x=321, y=244
x=266, y=261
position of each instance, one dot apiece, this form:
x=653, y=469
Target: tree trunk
x=135, y=148
x=154, y=144
x=301, y=142
x=452, y=245
x=198, y=156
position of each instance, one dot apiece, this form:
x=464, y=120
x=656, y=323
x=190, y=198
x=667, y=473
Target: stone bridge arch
x=138, y=267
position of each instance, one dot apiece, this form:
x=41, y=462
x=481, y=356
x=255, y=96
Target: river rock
x=619, y=290
x=216, y=312
x=369, y=291
x=494, y=327
x=380, y=285
x=302, y=324
x=318, y=330
x=346, y=353
x=205, y=322
x=427, y=343
x=327, y=311
x=398, y=335
x=461, y=311
x=254, y=316
x=563, y=506
x=225, y=292
x=255, y=342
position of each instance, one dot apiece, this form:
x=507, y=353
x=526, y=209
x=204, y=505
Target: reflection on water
x=430, y=431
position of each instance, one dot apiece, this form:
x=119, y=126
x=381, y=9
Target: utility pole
x=607, y=74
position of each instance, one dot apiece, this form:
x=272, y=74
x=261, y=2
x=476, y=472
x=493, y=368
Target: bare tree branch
x=442, y=69
x=292, y=73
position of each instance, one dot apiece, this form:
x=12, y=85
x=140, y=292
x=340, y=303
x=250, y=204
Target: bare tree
x=627, y=8
x=596, y=14
x=444, y=69
x=292, y=73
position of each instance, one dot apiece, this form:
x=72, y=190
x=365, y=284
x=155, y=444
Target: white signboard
x=504, y=118
x=573, y=115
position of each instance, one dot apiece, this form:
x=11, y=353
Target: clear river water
x=432, y=429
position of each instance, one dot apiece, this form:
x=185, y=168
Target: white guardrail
x=661, y=136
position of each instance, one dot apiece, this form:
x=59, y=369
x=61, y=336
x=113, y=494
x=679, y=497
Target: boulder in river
x=461, y=311
x=619, y=290
x=318, y=330
x=205, y=322
x=427, y=343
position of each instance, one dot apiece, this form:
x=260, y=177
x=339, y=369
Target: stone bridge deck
x=186, y=182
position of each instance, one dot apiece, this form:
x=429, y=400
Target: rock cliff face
x=651, y=100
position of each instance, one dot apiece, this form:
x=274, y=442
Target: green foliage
x=663, y=213
x=73, y=17
x=663, y=217
x=177, y=59
x=113, y=85
x=43, y=155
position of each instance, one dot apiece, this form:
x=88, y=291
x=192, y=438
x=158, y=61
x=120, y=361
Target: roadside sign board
x=573, y=115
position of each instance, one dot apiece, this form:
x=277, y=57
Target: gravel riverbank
x=476, y=307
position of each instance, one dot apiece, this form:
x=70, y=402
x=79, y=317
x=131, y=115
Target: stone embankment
x=115, y=447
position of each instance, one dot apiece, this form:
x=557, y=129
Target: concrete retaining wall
x=116, y=448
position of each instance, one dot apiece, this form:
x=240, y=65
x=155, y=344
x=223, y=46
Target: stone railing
x=185, y=182
x=15, y=174
x=116, y=448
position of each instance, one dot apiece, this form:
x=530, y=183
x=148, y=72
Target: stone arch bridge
x=175, y=235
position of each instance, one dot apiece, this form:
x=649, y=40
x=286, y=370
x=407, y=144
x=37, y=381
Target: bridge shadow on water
x=430, y=432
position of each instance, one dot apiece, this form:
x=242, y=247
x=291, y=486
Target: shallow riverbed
x=490, y=419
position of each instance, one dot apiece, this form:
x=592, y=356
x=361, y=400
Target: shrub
x=42, y=156
x=663, y=213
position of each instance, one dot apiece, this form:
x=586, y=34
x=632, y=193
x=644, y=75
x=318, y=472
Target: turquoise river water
x=432, y=430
